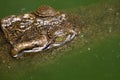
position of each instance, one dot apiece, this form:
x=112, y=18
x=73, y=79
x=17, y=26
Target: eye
x=60, y=39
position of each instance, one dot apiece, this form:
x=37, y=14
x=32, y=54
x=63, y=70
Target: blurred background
x=93, y=55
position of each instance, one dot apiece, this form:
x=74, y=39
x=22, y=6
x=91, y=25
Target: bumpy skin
x=32, y=32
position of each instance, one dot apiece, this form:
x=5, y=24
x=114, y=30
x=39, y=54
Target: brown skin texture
x=46, y=11
x=21, y=46
x=28, y=31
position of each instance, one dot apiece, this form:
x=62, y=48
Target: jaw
x=29, y=46
x=45, y=46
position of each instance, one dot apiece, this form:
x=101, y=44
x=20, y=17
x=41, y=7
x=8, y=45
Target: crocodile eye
x=60, y=38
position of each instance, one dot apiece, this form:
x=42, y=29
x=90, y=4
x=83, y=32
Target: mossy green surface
x=92, y=55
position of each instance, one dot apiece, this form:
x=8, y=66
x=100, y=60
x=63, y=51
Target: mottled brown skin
x=28, y=44
x=32, y=32
x=46, y=11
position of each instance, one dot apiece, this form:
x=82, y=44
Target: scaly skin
x=32, y=32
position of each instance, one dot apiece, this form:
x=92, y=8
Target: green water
x=14, y=6
x=100, y=63
x=93, y=55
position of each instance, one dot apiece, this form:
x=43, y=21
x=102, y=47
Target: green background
x=93, y=55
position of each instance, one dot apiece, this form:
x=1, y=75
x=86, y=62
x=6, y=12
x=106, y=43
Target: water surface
x=93, y=55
